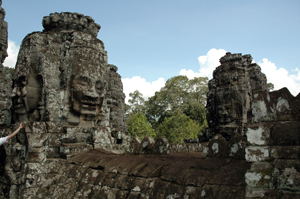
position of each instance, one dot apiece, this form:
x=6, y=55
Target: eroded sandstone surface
x=75, y=143
x=5, y=102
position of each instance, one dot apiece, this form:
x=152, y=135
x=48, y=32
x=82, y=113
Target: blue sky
x=152, y=41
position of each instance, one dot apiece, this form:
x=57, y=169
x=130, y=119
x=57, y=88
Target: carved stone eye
x=98, y=86
x=81, y=83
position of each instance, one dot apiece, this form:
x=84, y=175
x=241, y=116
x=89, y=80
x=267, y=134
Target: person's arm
x=14, y=133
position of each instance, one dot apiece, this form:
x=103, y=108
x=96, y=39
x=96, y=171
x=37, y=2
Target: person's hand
x=21, y=125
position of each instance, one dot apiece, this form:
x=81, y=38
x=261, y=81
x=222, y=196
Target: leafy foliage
x=9, y=70
x=136, y=103
x=179, y=127
x=177, y=111
x=270, y=86
x=138, y=126
x=179, y=93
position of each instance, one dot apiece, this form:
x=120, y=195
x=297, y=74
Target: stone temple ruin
x=76, y=145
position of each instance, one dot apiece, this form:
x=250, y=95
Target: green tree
x=9, y=70
x=178, y=127
x=136, y=103
x=270, y=86
x=179, y=93
x=197, y=112
x=138, y=126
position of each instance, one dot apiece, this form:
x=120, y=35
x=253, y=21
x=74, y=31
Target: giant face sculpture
x=27, y=97
x=228, y=109
x=87, y=89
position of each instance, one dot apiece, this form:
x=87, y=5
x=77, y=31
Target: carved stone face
x=86, y=93
x=229, y=108
x=26, y=95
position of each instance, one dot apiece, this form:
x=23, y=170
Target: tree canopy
x=138, y=126
x=179, y=93
x=177, y=111
x=178, y=127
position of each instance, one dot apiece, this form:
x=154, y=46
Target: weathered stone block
x=179, y=147
x=147, y=145
x=285, y=134
x=287, y=174
x=135, y=145
x=29, y=192
x=260, y=193
x=103, y=136
x=260, y=175
x=77, y=134
x=285, y=152
x=161, y=146
x=37, y=157
x=232, y=191
x=37, y=140
x=35, y=168
x=257, y=153
x=236, y=147
x=218, y=147
x=54, y=140
x=70, y=150
x=261, y=107
x=54, y=128
x=53, y=152
x=38, y=127
x=257, y=135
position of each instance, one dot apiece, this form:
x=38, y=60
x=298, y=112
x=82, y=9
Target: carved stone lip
x=18, y=106
x=224, y=120
x=89, y=107
x=87, y=112
x=90, y=102
x=20, y=109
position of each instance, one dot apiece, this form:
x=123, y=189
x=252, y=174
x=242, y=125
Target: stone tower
x=230, y=93
x=67, y=95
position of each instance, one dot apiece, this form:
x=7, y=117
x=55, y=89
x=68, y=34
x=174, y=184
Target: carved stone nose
x=16, y=92
x=91, y=92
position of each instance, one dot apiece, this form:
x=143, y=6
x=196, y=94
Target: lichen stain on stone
x=253, y=178
x=234, y=148
x=255, y=136
x=256, y=153
x=259, y=110
x=215, y=147
x=282, y=105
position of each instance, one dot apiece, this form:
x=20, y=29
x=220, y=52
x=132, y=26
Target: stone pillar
x=230, y=92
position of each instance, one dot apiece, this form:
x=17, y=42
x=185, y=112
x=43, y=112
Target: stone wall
x=274, y=146
x=99, y=174
x=256, y=125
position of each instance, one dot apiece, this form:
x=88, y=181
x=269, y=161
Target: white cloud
x=208, y=64
x=146, y=88
x=12, y=52
x=280, y=77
